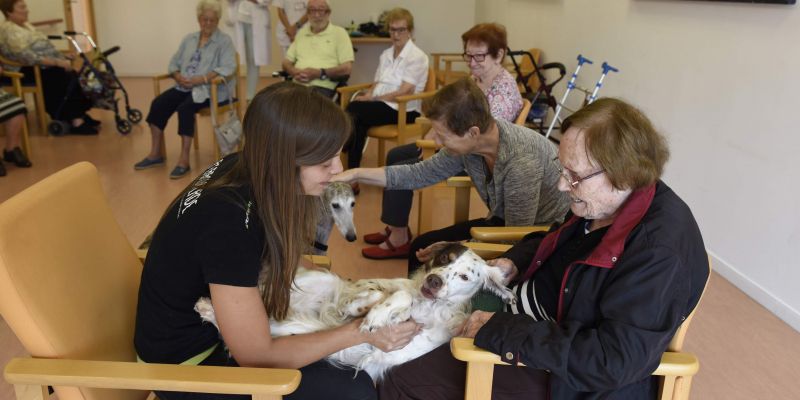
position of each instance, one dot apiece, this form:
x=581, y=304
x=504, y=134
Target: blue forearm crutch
x=570, y=86
x=606, y=69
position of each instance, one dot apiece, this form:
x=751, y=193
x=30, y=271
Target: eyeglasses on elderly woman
x=571, y=178
x=478, y=57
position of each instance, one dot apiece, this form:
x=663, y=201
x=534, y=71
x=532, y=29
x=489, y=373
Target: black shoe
x=2, y=170
x=17, y=157
x=83, y=129
x=88, y=120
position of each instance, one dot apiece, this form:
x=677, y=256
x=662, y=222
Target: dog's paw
x=392, y=311
x=206, y=310
x=361, y=303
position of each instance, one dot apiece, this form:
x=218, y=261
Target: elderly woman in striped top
x=12, y=116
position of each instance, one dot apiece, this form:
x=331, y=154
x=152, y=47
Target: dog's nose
x=351, y=237
x=433, y=281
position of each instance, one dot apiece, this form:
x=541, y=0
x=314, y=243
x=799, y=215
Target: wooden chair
x=68, y=290
x=215, y=108
x=523, y=113
x=676, y=369
x=447, y=75
x=16, y=84
x=400, y=132
x=34, y=88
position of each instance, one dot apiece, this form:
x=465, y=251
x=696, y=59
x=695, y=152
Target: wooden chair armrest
x=672, y=364
x=353, y=88
x=465, y=350
x=346, y=92
x=162, y=77
x=677, y=364
x=415, y=96
x=504, y=233
x=459, y=181
x=218, y=79
x=427, y=144
x=264, y=383
x=13, y=75
x=320, y=261
x=488, y=251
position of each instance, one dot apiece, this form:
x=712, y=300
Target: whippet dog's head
x=339, y=201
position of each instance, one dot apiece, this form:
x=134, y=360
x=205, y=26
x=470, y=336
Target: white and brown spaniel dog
x=437, y=297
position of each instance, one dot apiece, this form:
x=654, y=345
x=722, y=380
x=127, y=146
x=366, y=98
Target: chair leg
x=381, y=152
x=196, y=138
x=461, y=211
x=479, y=381
x=424, y=208
x=38, y=98
x=26, y=145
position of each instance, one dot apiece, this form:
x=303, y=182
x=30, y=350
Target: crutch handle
x=54, y=37
x=582, y=60
x=70, y=33
x=607, y=67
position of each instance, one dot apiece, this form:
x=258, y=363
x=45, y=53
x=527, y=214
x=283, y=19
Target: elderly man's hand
x=475, y=322
x=508, y=267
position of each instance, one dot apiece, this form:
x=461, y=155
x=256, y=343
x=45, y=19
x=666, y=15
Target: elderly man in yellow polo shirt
x=320, y=52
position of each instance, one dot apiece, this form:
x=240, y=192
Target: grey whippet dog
x=338, y=202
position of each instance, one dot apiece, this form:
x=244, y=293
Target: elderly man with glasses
x=321, y=51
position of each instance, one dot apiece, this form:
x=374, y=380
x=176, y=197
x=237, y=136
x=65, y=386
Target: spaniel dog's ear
x=493, y=282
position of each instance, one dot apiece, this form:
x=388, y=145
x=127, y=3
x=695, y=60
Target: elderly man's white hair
x=209, y=5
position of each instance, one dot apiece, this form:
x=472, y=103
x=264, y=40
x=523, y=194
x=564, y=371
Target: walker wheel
x=134, y=115
x=57, y=128
x=124, y=126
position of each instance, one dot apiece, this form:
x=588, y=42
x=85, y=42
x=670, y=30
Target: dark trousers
x=320, y=381
x=457, y=232
x=329, y=93
x=396, y=204
x=55, y=82
x=365, y=115
x=171, y=101
x=439, y=376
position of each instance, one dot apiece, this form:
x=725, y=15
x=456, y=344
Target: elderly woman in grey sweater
x=510, y=166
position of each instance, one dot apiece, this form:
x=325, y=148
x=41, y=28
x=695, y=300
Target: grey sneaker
x=148, y=163
x=179, y=172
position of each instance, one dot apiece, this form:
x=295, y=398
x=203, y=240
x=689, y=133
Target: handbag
x=229, y=132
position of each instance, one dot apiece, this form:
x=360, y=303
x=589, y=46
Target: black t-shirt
x=208, y=236
x=538, y=296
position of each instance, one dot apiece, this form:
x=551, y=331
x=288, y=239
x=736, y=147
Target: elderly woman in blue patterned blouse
x=201, y=57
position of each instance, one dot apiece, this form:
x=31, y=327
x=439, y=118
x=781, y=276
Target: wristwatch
x=322, y=74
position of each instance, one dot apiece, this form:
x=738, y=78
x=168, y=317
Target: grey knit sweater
x=522, y=189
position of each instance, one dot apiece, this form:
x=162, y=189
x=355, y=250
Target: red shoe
x=380, y=237
x=377, y=237
x=377, y=253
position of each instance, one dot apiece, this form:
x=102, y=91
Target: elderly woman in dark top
x=509, y=165
x=201, y=57
x=601, y=296
x=22, y=43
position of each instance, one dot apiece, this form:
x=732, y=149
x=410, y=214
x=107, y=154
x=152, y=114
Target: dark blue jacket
x=618, y=308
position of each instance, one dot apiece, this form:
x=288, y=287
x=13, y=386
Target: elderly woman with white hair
x=201, y=57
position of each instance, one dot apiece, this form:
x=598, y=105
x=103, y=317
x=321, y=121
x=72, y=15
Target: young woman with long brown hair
x=246, y=221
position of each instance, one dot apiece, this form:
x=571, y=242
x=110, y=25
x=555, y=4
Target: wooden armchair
x=676, y=369
x=68, y=290
x=17, y=89
x=402, y=131
x=34, y=88
x=219, y=110
x=447, y=75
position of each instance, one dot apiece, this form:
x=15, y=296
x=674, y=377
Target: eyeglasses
x=398, y=30
x=322, y=11
x=573, y=180
x=479, y=57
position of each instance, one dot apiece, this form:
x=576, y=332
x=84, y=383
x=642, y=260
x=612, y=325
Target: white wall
x=149, y=31
x=720, y=80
